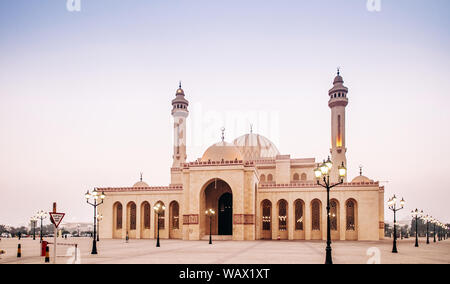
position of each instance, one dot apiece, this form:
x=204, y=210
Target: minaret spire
x=337, y=102
x=180, y=113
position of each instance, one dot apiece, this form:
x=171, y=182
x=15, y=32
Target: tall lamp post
x=210, y=213
x=434, y=221
x=99, y=218
x=392, y=203
x=41, y=215
x=417, y=215
x=427, y=219
x=33, y=225
x=95, y=195
x=159, y=209
x=323, y=172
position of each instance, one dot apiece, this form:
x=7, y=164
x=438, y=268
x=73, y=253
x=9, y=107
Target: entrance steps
x=217, y=238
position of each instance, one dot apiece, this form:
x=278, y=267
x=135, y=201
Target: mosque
x=256, y=192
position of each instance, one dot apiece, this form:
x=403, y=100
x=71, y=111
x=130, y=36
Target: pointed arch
x=131, y=219
x=351, y=219
x=304, y=177
x=266, y=220
x=335, y=219
x=174, y=216
x=117, y=220
x=262, y=178
x=145, y=221
x=282, y=219
x=316, y=217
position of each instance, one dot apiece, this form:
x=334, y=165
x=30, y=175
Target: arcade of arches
x=274, y=223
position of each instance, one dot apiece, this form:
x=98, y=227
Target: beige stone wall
x=194, y=187
x=283, y=169
x=248, y=195
x=106, y=209
x=367, y=198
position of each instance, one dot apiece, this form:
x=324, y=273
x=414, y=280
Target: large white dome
x=222, y=150
x=255, y=147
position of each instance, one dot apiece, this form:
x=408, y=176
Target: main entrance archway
x=218, y=196
x=226, y=214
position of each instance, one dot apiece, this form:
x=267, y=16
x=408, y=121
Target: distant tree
x=387, y=230
x=16, y=231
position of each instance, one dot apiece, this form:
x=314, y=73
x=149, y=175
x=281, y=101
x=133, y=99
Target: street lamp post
x=159, y=209
x=392, y=203
x=33, y=224
x=95, y=195
x=417, y=215
x=210, y=213
x=99, y=218
x=41, y=215
x=323, y=172
x=427, y=219
x=434, y=230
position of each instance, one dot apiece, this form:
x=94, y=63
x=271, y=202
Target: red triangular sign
x=56, y=218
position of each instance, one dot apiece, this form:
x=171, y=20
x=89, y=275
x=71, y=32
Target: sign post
x=56, y=219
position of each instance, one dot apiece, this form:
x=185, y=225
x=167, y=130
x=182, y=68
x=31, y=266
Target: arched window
x=282, y=215
x=333, y=215
x=270, y=177
x=298, y=215
x=161, y=217
x=262, y=178
x=350, y=209
x=133, y=216
x=175, y=218
x=118, y=216
x=146, y=215
x=315, y=208
x=266, y=216
x=303, y=176
x=296, y=177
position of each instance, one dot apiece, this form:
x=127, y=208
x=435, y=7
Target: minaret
x=337, y=103
x=180, y=113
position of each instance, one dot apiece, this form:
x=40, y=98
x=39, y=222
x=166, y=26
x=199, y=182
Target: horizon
x=85, y=97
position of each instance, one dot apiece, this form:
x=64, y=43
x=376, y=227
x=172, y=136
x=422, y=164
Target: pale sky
x=85, y=96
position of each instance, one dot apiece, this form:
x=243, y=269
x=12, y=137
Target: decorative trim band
x=244, y=219
x=190, y=219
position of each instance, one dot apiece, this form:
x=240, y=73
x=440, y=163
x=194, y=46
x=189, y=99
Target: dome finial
x=141, y=176
x=223, y=133
x=179, y=85
x=360, y=170
x=251, y=128
x=338, y=71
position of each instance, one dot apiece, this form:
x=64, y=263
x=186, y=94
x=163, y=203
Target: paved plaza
x=230, y=252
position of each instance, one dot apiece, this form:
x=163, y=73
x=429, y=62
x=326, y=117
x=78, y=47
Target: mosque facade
x=256, y=192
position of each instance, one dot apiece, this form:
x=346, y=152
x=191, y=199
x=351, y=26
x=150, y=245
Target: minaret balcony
x=342, y=101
